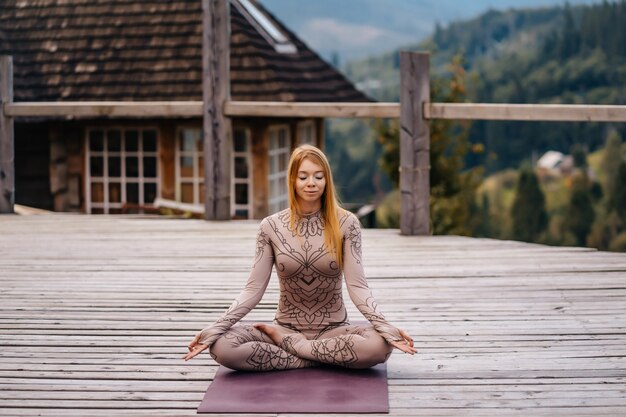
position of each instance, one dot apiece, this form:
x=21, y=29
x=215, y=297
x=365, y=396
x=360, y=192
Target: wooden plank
x=526, y=112
x=457, y=111
x=106, y=109
x=215, y=93
x=414, y=144
x=7, y=151
x=305, y=110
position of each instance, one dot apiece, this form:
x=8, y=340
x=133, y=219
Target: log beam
x=7, y=151
x=414, y=144
x=215, y=93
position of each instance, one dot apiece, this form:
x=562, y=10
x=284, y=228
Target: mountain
x=345, y=30
x=548, y=55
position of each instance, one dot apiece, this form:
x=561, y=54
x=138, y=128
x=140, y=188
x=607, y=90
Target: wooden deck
x=96, y=313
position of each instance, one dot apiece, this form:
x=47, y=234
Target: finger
x=404, y=347
x=410, y=350
x=195, y=351
x=192, y=354
x=400, y=346
x=406, y=337
x=194, y=342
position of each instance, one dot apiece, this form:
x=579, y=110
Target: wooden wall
x=50, y=159
x=167, y=159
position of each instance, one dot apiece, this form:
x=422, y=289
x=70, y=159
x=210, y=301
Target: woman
x=310, y=243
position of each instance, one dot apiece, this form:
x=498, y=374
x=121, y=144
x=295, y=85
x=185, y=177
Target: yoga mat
x=307, y=390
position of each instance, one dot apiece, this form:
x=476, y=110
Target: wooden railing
x=456, y=111
x=414, y=110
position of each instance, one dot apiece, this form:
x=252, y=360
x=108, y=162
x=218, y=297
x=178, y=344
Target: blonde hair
x=330, y=205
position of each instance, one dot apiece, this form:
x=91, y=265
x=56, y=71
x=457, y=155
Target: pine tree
x=529, y=209
x=611, y=160
x=580, y=212
x=619, y=192
x=580, y=156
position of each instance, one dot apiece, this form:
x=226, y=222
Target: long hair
x=330, y=205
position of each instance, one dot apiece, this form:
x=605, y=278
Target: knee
x=375, y=350
x=224, y=353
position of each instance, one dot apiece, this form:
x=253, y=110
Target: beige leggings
x=246, y=348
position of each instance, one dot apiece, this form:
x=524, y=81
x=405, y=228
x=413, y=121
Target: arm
x=359, y=291
x=250, y=296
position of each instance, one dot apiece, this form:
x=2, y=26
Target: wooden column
x=215, y=93
x=7, y=153
x=414, y=144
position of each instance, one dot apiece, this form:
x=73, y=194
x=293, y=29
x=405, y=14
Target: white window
x=306, y=133
x=122, y=169
x=279, y=152
x=190, y=166
x=241, y=174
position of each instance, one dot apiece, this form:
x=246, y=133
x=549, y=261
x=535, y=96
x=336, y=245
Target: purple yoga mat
x=308, y=390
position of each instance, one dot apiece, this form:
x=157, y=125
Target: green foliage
x=388, y=212
x=580, y=156
x=604, y=230
x=618, y=244
x=611, y=160
x=389, y=138
x=574, y=60
x=529, y=209
x=580, y=212
x=452, y=189
x=619, y=192
x=352, y=151
x=558, y=192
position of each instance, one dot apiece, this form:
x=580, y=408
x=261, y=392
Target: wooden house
x=134, y=50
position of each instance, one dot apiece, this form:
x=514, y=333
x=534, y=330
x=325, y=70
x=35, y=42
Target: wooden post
x=215, y=93
x=7, y=157
x=414, y=144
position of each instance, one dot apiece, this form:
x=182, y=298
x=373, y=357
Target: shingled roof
x=80, y=50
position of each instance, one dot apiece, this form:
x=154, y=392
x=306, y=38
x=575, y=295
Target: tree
x=580, y=156
x=529, y=208
x=580, y=212
x=619, y=192
x=611, y=160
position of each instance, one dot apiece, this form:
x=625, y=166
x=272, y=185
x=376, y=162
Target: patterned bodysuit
x=311, y=311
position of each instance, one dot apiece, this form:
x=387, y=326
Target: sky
x=359, y=28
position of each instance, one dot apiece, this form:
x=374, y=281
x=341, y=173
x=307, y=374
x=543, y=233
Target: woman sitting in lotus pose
x=311, y=243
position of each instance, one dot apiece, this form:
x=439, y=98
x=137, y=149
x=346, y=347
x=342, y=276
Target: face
x=310, y=181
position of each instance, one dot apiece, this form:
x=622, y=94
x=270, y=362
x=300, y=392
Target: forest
x=551, y=55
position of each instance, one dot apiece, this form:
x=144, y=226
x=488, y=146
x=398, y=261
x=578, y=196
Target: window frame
x=248, y=180
x=279, y=202
x=304, y=125
x=197, y=179
x=123, y=179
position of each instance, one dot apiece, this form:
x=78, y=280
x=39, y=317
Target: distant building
x=143, y=50
x=555, y=163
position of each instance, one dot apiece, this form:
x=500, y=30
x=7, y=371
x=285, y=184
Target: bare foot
x=276, y=333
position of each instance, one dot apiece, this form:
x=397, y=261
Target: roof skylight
x=266, y=27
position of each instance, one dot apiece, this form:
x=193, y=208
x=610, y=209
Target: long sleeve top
x=309, y=278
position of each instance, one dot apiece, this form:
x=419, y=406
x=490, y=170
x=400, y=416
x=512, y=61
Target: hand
x=405, y=344
x=195, y=348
